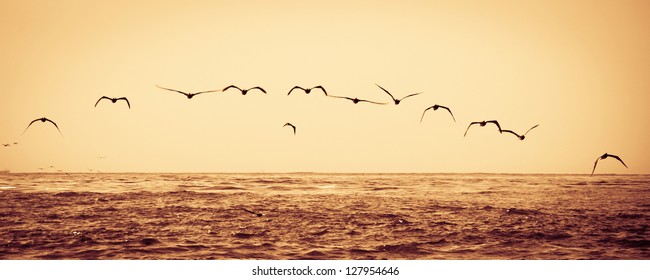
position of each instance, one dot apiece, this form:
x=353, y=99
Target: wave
x=411, y=248
x=527, y=212
x=210, y=188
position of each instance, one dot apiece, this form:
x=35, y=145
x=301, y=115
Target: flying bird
x=61, y=171
x=521, y=137
x=357, y=100
x=6, y=145
x=43, y=120
x=113, y=100
x=397, y=101
x=244, y=91
x=483, y=123
x=436, y=107
x=308, y=90
x=604, y=156
x=292, y=126
x=188, y=95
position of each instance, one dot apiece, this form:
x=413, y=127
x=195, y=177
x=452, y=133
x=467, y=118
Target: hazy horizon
x=579, y=69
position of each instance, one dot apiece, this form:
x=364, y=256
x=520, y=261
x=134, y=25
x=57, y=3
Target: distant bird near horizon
x=243, y=91
x=521, y=137
x=483, y=123
x=43, y=120
x=113, y=100
x=356, y=100
x=6, y=145
x=188, y=95
x=397, y=101
x=292, y=126
x=436, y=107
x=61, y=171
x=308, y=90
x=604, y=156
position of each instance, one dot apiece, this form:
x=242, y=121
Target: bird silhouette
x=483, y=123
x=6, y=145
x=188, y=95
x=113, y=100
x=436, y=107
x=308, y=90
x=43, y=120
x=61, y=171
x=397, y=101
x=244, y=91
x=521, y=137
x=604, y=156
x=357, y=100
x=292, y=126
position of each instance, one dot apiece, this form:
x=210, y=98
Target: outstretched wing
x=470, y=125
x=425, y=110
x=100, y=99
x=531, y=129
x=344, y=97
x=595, y=163
x=184, y=93
x=452, y=114
x=373, y=102
x=127, y=101
x=215, y=90
x=497, y=123
x=296, y=87
x=231, y=86
x=619, y=159
x=264, y=91
x=30, y=125
x=321, y=88
x=414, y=94
x=510, y=131
x=391, y=96
x=57, y=127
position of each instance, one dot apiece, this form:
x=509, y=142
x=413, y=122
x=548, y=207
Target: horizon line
x=309, y=172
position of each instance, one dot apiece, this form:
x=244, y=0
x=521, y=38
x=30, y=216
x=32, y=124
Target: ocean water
x=323, y=216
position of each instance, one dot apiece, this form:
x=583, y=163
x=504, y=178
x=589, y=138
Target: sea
x=323, y=216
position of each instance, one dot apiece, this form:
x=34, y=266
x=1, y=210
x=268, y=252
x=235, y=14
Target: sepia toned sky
x=579, y=69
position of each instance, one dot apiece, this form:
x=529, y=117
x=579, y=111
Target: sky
x=579, y=69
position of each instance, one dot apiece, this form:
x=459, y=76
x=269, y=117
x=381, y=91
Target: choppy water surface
x=324, y=216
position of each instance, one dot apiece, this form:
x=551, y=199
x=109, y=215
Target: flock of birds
x=354, y=100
